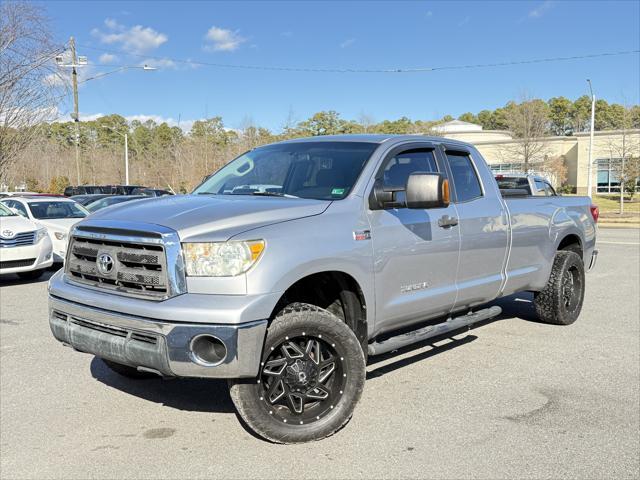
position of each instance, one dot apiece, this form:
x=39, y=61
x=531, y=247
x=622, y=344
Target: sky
x=173, y=36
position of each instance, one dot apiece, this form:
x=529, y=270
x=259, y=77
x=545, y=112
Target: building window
x=608, y=178
x=507, y=167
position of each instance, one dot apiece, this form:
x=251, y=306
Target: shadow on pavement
x=211, y=395
x=192, y=394
x=518, y=306
x=14, y=279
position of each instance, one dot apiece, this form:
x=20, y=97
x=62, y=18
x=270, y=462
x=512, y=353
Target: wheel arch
x=337, y=291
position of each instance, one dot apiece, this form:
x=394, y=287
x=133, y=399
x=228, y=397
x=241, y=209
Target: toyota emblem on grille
x=7, y=234
x=105, y=263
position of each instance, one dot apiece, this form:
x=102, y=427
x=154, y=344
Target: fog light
x=207, y=350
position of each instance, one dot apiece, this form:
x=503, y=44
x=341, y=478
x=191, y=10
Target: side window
x=465, y=178
x=18, y=207
x=399, y=167
x=541, y=188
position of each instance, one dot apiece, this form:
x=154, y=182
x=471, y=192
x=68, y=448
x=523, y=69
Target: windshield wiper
x=206, y=193
x=273, y=194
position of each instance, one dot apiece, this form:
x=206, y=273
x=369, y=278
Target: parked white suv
x=25, y=248
x=56, y=214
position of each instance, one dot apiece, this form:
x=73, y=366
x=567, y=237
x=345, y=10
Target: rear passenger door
x=483, y=225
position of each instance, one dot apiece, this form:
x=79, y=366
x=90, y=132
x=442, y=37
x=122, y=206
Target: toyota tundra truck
x=284, y=270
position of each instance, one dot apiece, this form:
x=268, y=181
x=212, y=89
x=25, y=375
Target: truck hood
x=210, y=217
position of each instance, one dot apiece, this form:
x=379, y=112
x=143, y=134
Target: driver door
x=415, y=253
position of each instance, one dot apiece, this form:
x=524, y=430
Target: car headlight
x=60, y=235
x=40, y=234
x=221, y=259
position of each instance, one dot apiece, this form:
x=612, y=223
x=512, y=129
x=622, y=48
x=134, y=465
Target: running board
x=430, y=331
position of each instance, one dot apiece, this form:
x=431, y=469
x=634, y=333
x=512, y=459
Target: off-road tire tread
x=548, y=301
x=290, y=318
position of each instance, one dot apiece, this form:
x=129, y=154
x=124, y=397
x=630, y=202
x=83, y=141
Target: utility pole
x=593, y=116
x=76, y=115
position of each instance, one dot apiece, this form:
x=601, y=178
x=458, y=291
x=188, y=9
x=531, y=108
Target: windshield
x=320, y=170
x=5, y=212
x=52, y=210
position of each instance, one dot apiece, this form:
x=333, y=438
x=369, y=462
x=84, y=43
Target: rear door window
x=465, y=178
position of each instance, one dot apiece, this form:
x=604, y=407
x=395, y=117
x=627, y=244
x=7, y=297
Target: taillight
x=595, y=212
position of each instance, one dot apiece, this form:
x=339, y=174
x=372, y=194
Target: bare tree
x=528, y=121
x=29, y=81
x=624, y=151
x=555, y=169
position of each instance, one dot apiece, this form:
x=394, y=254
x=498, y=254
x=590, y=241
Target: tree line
x=169, y=157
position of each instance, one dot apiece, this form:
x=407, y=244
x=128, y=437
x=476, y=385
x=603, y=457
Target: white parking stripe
x=618, y=243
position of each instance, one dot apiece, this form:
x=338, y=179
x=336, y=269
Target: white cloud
x=136, y=39
x=223, y=39
x=541, y=9
x=160, y=63
x=348, y=42
x=56, y=80
x=108, y=58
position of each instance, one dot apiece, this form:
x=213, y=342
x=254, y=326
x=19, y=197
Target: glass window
x=51, y=210
x=18, y=207
x=320, y=170
x=398, y=168
x=5, y=212
x=541, y=188
x=464, y=175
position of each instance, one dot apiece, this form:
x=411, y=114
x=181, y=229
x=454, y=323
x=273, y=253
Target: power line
x=366, y=70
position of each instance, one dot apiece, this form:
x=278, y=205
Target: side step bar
x=429, y=331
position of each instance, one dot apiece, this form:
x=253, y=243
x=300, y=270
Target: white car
x=56, y=214
x=25, y=248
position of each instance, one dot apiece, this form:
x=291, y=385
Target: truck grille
x=121, y=266
x=20, y=240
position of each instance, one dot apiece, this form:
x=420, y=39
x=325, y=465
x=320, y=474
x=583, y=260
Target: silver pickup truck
x=288, y=267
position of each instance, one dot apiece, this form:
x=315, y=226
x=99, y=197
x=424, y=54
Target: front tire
x=561, y=300
x=311, y=377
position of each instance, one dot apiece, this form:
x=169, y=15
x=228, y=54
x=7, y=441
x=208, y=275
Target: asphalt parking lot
x=511, y=398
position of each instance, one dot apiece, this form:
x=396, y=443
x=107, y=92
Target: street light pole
x=593, y=116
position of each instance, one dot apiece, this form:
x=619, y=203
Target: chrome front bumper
x=154, y=345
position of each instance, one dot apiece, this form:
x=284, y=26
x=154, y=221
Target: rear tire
x=561, y=300
x=127, y=371
x=32, y=275
x=311, y=377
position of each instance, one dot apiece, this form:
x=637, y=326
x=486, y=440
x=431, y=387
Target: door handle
x=446, y=221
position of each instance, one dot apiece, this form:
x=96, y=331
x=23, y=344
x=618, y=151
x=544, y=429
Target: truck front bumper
x=150, y=344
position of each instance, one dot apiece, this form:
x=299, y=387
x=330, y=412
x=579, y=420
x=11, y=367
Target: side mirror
x=384, y=197
x=427, y=190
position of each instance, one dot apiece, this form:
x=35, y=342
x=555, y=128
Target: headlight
x=60, y=235
x=221, y=259
x=40, y=234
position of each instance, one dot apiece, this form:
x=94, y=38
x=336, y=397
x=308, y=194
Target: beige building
x=501, y=151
